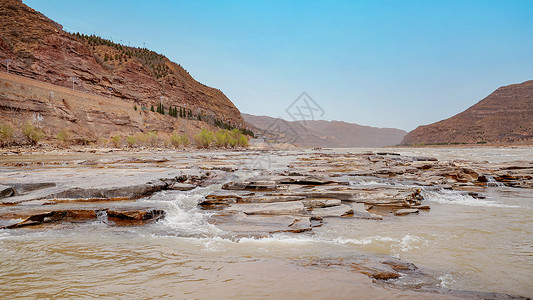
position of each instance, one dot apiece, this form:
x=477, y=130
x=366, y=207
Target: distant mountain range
x=333, y=134
x=503, y=117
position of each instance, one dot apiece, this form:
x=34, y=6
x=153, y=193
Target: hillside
x=505, y=116
x=40, y=49
x=334, y=134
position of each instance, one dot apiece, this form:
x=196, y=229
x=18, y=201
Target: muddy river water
x=462, y=242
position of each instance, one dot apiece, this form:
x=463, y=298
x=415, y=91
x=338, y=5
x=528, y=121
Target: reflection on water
x=465, y=243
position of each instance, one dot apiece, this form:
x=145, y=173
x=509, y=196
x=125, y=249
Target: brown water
x=465, y=243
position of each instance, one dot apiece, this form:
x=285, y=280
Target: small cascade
x=492, y=182
x=101, y=216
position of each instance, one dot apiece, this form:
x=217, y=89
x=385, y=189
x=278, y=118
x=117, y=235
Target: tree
x=152, y=108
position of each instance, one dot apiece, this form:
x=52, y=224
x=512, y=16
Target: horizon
x=376, y=77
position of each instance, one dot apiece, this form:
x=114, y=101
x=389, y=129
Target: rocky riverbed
x=251, y=195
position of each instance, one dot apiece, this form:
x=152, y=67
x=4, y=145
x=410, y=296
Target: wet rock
x=128, y=217
x=274, y=208
x=182, y=187
x=136, y=215
x=406, y=211
x=221, y=198
x=361, y=212
x=334, y=211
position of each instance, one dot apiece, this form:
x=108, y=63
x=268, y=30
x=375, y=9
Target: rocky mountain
x=319, y=133
x=40, y=49
x=503, y=117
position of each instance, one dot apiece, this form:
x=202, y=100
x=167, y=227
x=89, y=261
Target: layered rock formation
x=39, y=49
x=319, y=133
x=505, y=116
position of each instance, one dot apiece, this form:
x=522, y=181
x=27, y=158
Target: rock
x=6, y=191
x=136, y=215
x=335, y=211
x=182, y=187
x=126, y=216
x=424, y=158
x=325, y=202
x=241, y=224
x=405, y=211
x=221, y=198
x=251, y=185
x=309, y=180
x=274, y=208
x=268, y=199
x=360, y=212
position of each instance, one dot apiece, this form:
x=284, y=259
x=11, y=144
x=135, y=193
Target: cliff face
x=40, y=49
x=321, y=133
x=505, y=116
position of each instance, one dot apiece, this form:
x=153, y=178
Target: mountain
x=40, y=49
x=505, y=116
x=333, y=134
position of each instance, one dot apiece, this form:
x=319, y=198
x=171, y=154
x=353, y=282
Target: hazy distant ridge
x=321, y=133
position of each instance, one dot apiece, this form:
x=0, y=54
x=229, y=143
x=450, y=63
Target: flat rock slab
x=261, y=225
x=335, y=211
x=318, y=203
x=360, y=212
x=274, y=208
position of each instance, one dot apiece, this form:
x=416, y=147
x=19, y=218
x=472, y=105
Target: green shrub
x=222, y=138
x=205, y=138
x=131, y=140
x=32, y=133
x=117, y=141
x=63, y=136
x=243, y=141
x=6, y=132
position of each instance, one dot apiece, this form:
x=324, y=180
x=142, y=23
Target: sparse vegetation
x=63, y=136
x=32, y=133
x=223, y=138
x=6, y=133
x=131, y=140
x=116, y=140
x=205, y=138
x=176, y=140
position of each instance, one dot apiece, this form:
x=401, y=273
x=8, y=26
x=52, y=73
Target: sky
x=396, y=64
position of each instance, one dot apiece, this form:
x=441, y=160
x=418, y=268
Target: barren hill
x=39, y=49
x=505, y=116
x=325, y=133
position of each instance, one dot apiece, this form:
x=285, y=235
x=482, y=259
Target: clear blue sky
x=379, y=63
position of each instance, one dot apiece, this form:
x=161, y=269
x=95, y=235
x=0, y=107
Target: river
x=462, y=242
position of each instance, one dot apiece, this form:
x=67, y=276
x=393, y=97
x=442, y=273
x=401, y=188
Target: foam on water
x=183, y=217
x=456, y=198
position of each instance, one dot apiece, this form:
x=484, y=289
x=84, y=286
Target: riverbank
x=302, y=211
